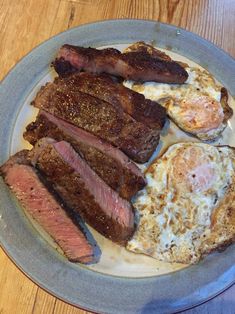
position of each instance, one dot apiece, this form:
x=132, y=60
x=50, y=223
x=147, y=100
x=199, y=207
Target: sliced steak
x=100, y=118
x=107, y=161
x=105, y=88
x=83, y=190
x=28, y=187
x=134, y=65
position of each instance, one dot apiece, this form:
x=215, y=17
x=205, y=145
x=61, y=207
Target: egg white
x=200, y=84
x=173, y=224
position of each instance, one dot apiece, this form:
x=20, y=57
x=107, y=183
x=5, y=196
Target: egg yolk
x=200, y=113
x=193, y=170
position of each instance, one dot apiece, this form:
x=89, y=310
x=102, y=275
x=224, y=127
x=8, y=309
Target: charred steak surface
x=84, y=191
x=105, y=88
x=26, y=184
x=100, y=118
x=134, y=65
x=107, y=161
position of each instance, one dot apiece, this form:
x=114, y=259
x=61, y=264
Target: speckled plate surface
x=121, y=282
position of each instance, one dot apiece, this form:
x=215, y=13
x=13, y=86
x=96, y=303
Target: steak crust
x=107, y=89
x=134, y=65
x=44, y=207
x=84, y=191
x=100, y=118
x=108, y=162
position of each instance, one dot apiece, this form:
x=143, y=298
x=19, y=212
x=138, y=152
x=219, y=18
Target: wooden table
x=25, y=24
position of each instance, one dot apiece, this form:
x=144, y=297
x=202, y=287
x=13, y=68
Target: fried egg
x=188, y=206
x=199, y=107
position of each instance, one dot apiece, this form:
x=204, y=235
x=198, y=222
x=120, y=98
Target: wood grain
x=26, y=23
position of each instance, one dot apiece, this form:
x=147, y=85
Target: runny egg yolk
x=193, y=170
x=200, y=113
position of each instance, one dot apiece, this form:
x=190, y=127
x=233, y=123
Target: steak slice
x=107, y=161
x=26, y=184
x=82, y=189
x=100, y=118
x=134, y=65
x=105, y=88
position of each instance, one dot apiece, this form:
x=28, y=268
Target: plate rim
x=120, y=280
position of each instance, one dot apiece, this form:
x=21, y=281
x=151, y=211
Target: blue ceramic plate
x=121, y=282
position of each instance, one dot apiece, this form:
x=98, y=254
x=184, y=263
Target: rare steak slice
x=83, y=190
x=105, y=88
x=100, y=118
x=113, y=166
x=27, y=185
x=133, y=65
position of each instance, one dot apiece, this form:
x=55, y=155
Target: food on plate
x=106, y=88
x=134, y=65
x=187, y=209
x=100, y=118
x=199, y=107
x=83, y=190
x=87, y=125
x=113, y=166
x=44, y=207
x=142, y=47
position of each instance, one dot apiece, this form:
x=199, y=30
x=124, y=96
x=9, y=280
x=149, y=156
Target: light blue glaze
x=33, y=255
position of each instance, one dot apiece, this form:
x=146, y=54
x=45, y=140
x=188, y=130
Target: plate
x=102, y=289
